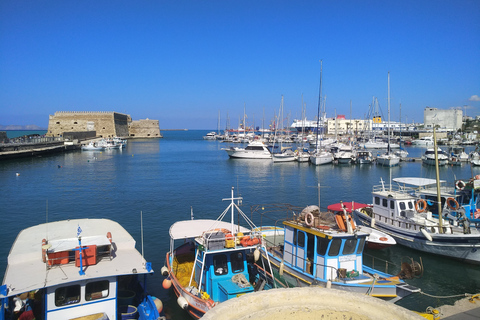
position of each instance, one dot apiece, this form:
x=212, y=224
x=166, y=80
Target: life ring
x=309, y=219
x=452, y=204
x=421, y=205
x=460, y=185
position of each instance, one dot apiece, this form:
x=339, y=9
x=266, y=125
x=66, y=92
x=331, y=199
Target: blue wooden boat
x=325, y=249
x=214, y=261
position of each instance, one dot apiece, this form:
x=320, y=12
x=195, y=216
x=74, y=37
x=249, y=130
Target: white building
x=449, y=120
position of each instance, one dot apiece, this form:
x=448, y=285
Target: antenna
x=141, y=230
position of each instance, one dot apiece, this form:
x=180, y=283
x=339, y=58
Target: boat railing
x=432, y=227
x=380, y=264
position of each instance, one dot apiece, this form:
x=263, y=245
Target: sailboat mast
x=319, y=104
x=388, y=145
x=437, y=176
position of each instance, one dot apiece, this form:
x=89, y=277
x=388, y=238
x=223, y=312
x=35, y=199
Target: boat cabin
x=322, y=251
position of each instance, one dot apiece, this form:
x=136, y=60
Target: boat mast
x=388, y=144
x=437, y=176
x=319, y=105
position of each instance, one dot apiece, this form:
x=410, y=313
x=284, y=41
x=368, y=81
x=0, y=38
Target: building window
x=75, y=122
x=58, y=122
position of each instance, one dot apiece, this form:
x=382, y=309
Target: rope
x=446, y=297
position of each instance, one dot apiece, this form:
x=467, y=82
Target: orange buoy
x=167, y=283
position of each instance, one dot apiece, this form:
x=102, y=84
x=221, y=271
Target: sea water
x=165, y=180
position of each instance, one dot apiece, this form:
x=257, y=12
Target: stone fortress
x=101, y=124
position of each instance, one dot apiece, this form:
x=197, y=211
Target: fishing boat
x=214, y=261
x=92, y=146
x=376, y=239
x=398, y=210
x=324, y=249
x=76, y=269
x=254, y=150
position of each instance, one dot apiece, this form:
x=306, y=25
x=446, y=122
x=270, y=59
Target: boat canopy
x=194, y=228
x=348, y=206
x=417, y=182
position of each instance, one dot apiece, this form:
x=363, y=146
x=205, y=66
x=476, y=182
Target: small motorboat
x=92, y=146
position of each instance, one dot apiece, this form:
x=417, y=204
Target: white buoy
x=164, y=271
x=280, y=271
x=158, y=304
x=182, y=302
x=426, y=234
x=372, y=223
x=256, y=254
x=329, y=284
x=18, y=174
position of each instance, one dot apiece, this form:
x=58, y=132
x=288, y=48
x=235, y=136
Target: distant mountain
x=18, y=127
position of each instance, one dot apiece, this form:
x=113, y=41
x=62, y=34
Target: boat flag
x=79, y=231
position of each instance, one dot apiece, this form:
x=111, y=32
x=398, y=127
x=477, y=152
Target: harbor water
x=165, y=180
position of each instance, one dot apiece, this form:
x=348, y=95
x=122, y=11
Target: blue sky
x=182, y=62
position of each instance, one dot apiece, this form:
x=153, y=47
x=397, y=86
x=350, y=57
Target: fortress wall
x=105, y=123
x=144, y=129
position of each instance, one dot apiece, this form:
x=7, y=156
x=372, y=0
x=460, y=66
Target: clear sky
x=182, y=62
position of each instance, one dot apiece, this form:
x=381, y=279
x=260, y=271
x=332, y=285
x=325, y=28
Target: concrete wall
x=145, y=128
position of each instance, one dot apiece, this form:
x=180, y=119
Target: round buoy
x=158, y=304
x=18, y=174
x=164, y=271
x=182, y=302
x=166, y=284
x=256, y=254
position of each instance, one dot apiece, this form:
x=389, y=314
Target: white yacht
x=423, y=141
x=254, y=150
x=428, y=157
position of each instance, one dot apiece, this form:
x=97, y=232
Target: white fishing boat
x=428, y=157
x=50, y=277
x=397, y=211
x=211, y=261
x=254, y=150
x=92, y=146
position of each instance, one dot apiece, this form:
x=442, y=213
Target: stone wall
x=105, y=123
x=145, y=128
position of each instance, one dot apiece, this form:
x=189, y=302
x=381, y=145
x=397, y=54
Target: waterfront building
x=448, y=120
